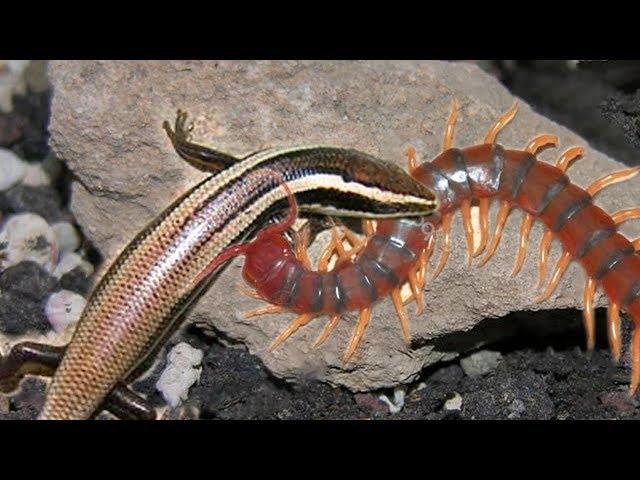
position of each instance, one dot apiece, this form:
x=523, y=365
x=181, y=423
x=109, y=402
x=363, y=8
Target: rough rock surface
x=127, y=172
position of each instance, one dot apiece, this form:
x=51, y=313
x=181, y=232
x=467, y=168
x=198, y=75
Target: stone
x=12, y=169
x=35, y=176
x=67, y=236
x=43, y=200
x=180, y=373
x=70, y=261
x=28, y=237
x=453, y=403
x=64, y=308
x=127, y=173
x=480, y=363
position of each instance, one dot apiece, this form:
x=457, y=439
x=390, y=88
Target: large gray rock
x=105, y=123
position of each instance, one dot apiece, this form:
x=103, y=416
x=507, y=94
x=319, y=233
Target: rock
x=28, y=237
x=76, y=280
x=180, y=373
x=71, y=261
x=480, y=363
x=12, y=169
x=64, y=308
x=128, y=173
x=395, y=405
x=453, y=403
x=35, y=176
x=27, y=279
x=67, y=236
x=11, y=81
x=43, y=200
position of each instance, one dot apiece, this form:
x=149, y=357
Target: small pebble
x=43, y=200
x=70, y=261
x=67, y=237
x=28, y=237
x=399, y=395
x=64, y=308
x=480, y=363
x=12, y=169
x=35, y=176
x=454, y=403
x=180, y=373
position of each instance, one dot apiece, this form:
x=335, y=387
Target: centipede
x=395, y=253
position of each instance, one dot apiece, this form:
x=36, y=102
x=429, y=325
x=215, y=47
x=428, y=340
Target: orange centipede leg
x=614, y=330
x=300, y=321
x=410, y=153
x=363, y=321
x=483, y=214
x=368, y=228
x=326, y=331
x=625, y=215
x=612, y=178
x=636, y=244
x=248, y=292
x=545, y=247
x=265, y=311
x=451, y=124
x=568, y=157
x=416, y=291
x=501, y=219
x=588, y=314
x=402, y=315
x=357, y=244
x=527, y=221
x=561, y=267
x=502, y=121
x=446, y=244
x=301, y=241
x=635, y=361
x=465, y=208
x=541, y=141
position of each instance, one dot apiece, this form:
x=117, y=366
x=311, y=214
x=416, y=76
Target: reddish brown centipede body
x=398, y=251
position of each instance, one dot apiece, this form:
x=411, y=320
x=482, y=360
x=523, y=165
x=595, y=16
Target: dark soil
x=544, y=373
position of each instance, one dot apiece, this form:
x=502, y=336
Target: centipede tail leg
x=199, y=156
x=588, y=314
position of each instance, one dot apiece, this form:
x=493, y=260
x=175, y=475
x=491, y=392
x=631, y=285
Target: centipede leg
x=465, y=208
x=298, y=322
x=451, y=124
x=625, y=215
x=412, y=161
x=588, y=314
x=248, y=292
x=501, y=220
x=301, y=241
x=541, y=141
x=326, y=331
x=402, y=315
x=483, y=214
x=367, y=227
x=363, y=321
x=612, y=178
x=416, y=291
x=635, y=361
x=636, y=244
x=502, y=121
x=527, y=221
x=545, y=246
x=561, y=267
x=446, y=244
x=568, y=157
x=266, y=310
x=614, y=330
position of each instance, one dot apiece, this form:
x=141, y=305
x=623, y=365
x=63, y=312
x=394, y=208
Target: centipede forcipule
x=398, y=251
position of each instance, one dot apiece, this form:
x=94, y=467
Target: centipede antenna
x=588, y=314
x=527, y=221
x=483, y=214
x=501, y=219
x=446, y=244
x=402, y=315
x=561, y=267
x=611, y=179
x=614, y=330
x=293, y=327
x=625, y=215
x=502, y=121
x=326, y=331
x=451, y=124
x=545, y=247
x=363, y=321
x=541, y=141
x=266, y=310
x=568, y=157
x=465, y=208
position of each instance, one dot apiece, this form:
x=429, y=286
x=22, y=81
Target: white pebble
x=180, y=373
x=63, y=309
x=69, y=261
x=480, y=363
x=35, y=176
x=66, y=236
x=454, y=403
x=12, y=169
x=396, y=405
x=28, y=237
